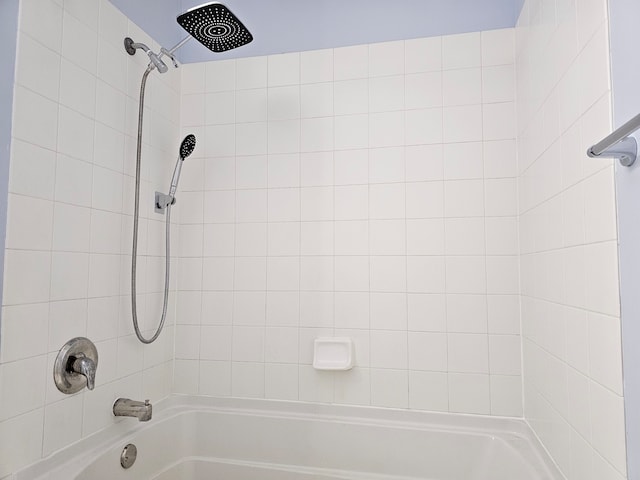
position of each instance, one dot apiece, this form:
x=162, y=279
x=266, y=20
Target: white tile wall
x=69, y=227
x=368, y=192
x=570, y=306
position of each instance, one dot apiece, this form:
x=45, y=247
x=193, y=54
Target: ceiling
x=280, y=26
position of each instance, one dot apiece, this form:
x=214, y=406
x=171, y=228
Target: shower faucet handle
x=87, y=367
x=75, y=366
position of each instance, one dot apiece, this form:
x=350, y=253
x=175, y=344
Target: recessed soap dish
x=333, y=353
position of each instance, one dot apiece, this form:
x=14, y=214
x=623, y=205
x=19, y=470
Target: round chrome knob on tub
x=128, y=455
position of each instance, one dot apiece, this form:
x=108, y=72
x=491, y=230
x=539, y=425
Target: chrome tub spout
x=125, y=407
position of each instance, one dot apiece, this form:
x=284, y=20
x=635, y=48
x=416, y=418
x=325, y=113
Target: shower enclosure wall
x=372, y=191
x=568, y=239
x=365, y=192
x=68, y=256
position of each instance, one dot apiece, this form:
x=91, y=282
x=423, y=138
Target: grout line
x=484, y=226
x=368, y=219
x=444, y=233
x=266, y=258
x=299, y=249
x=233, y=279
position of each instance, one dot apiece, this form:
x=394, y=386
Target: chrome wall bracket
x=162, y=201
x=626, y=151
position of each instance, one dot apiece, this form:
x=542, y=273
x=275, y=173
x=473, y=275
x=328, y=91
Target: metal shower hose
x=136, y=214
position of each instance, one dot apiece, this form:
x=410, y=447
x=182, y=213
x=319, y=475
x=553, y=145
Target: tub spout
x=124, y=407
x=85, y=366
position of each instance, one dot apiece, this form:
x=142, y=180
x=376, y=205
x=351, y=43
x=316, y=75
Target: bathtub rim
x=73, y=459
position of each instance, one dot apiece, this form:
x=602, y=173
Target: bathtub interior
x=238, y=444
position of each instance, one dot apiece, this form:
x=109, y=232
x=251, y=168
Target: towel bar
x=619, y=144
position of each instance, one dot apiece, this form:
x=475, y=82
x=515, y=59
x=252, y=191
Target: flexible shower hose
x=136, y=215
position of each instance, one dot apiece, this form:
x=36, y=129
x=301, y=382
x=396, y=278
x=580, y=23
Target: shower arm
x=131, y=47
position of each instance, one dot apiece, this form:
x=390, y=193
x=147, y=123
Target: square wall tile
x=247, y=380
x=352, y=310
x=427, y=313
x=249, y=308
x=352, y=274
x=251, y=73
x=469, y=393
x=462, y=86
x=423, y=90
x=220, y=75
x=428, y=391
x=316, y=66
x=316, y=100
x=386, y=59
x=425, y=200
x=388, y=274
x=284, y=69
x=426, y=274
x=428, y=351
x=461, y=51
x=388, y=311
x=281, y=381
x=506, y=396
x=215, y=379
x=351, y=62
x=389, y=349
x=351, y=167
x=498, y=47
x=354, y=388
x=285, y=102
x=465, y=124
x=386, y=129
x=351, y=97
x=316, y=311
x=423, y=55
x=389, y=388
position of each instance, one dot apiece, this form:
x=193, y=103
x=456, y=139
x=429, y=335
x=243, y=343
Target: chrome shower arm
x=179, y=44
x=130, y=46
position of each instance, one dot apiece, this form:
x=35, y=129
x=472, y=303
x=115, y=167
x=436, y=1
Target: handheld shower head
x=215, y=26
x=187, y=146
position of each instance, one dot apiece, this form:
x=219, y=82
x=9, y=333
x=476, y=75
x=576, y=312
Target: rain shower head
x=215, y=26
x=187, y=146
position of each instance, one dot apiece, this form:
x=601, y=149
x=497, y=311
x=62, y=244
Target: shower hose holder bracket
x=162, y=201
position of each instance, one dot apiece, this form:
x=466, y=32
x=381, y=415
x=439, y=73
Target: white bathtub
x=193, y=438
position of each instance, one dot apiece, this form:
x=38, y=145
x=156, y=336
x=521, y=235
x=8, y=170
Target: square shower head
x=215, y=26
